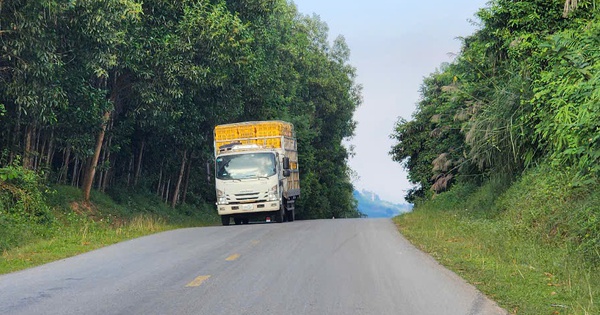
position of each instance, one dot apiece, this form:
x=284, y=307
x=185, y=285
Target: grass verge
x=506, y=254
x=78, y=227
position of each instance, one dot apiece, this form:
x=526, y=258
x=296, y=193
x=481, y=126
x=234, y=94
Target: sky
x=394, y=45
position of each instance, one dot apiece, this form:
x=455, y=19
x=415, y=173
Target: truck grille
x=248, y=197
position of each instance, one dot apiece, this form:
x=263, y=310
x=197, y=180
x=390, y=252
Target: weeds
x=532, y=247
x=24, y=215
x=77, y=227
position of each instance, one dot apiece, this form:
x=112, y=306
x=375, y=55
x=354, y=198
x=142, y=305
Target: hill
x=372, y=206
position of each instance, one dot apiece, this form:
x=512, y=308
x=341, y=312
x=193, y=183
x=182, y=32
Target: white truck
x=256, y=171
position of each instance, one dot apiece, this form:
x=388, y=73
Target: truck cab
x=253, y=181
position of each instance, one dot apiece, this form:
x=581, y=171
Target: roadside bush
x=450, y=200
x=549, y=204
x=481, y=203
x=24, y=214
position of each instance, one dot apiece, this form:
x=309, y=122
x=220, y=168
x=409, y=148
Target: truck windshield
x=246, y=165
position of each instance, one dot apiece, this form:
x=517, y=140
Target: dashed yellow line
x=233, y=257
x=198, y=281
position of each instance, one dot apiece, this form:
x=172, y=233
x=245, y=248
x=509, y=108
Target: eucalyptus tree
x=94, y=35
x=129, y=92
x=327, y=97
x=194, y=52
x=290, y=67
x=30, y=74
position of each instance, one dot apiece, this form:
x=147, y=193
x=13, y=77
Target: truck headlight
x=273, y=195
x=221, y=198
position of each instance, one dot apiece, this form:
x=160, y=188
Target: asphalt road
x=360, y=266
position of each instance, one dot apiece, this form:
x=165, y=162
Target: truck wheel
x=279, y=215
x=225, y=220
x=291, y=215
x=246, y=221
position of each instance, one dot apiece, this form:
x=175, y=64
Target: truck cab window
x=246, y=165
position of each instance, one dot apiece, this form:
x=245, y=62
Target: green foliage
x=521, y=273
x=431, y=145
x=522, y=88
x=530, y=244
x=24, y=215
x=567, y=100
x=519, y=216
x=142, y=84
x=455, y=198
x=549, y=204
x=80, y=227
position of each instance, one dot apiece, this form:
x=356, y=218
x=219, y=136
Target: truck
x=256, y=171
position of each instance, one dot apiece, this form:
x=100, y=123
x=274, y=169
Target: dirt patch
x=83, y=208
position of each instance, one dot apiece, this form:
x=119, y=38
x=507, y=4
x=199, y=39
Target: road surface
x=357, y=266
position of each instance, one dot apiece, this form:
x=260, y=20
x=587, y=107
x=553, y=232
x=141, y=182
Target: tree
x=125, y=94
x=496, y=106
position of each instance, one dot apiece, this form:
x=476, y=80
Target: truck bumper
x=248, y=208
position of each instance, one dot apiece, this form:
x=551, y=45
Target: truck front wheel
x=279, y=215
x=225, y=220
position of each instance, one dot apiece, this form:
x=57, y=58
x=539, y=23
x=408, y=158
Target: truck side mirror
x=286, y=163
x=287, y=173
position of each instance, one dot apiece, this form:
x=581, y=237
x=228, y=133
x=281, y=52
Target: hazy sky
x=394, y=45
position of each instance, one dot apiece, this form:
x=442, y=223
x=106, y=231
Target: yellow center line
x=198, y=281
x=233, y=257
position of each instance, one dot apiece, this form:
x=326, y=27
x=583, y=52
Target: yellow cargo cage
x=263, y=133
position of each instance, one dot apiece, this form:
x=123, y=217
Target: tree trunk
x=16, y=139
x=179, y=180
x=162, y=188
x=27, y=152
x=101, y=161
x=159, y=183
x=100, y=176
x=107, y=175
x=80, y=171
x=167, y=191
x=138, y=166
x=187, y=179
x=50, y=153
x=36, y=149
x=43, y=150
x=91, y=170
x=107, y=172
x=129, y=171
x=64, y=172
x=74, y=177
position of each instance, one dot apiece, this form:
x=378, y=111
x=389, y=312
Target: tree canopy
x=119, y=94
x=522, y=91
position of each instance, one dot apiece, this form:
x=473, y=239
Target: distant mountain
x=372, y=206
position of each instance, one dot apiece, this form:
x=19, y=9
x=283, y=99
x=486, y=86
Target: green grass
x=79, y=227
x=508, y=246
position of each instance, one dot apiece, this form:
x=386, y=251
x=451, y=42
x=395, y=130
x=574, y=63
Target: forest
x=514, y=121
x=123, y=95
